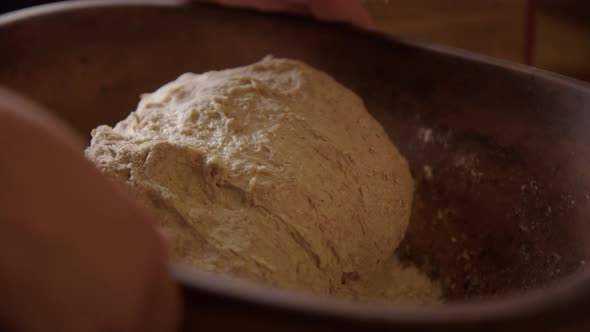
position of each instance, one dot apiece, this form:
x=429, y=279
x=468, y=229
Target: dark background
x=10, y=5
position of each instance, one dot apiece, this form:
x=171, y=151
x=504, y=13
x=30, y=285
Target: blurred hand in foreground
x=76, y=254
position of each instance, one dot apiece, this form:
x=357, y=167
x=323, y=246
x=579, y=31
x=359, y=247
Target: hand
x=349, y=11
x=76, y=254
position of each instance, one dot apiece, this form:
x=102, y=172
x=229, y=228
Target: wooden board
x=491, y=27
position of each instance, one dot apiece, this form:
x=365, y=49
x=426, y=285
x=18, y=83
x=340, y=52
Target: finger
x=264, y=5
x=76, y=254
x=328, y=10
x=343, y=11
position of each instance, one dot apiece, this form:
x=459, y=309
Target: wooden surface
x=560, y=30
x=563, y=37
x=492, y=27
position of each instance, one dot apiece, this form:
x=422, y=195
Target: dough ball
x=273, y=171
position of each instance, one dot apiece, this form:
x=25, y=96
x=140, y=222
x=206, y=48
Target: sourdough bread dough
x=273, y=171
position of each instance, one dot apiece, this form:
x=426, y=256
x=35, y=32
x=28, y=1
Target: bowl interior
x=499, y=154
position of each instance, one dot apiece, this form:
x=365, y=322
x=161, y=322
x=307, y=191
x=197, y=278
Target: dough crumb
x=428, y=172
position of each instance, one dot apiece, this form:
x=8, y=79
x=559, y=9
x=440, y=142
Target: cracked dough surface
x=273, y=172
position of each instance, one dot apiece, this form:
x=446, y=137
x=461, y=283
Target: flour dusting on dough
x=273, y=172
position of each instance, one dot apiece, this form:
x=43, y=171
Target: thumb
x=76, y=254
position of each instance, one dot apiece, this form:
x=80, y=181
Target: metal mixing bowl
x=499, y=153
